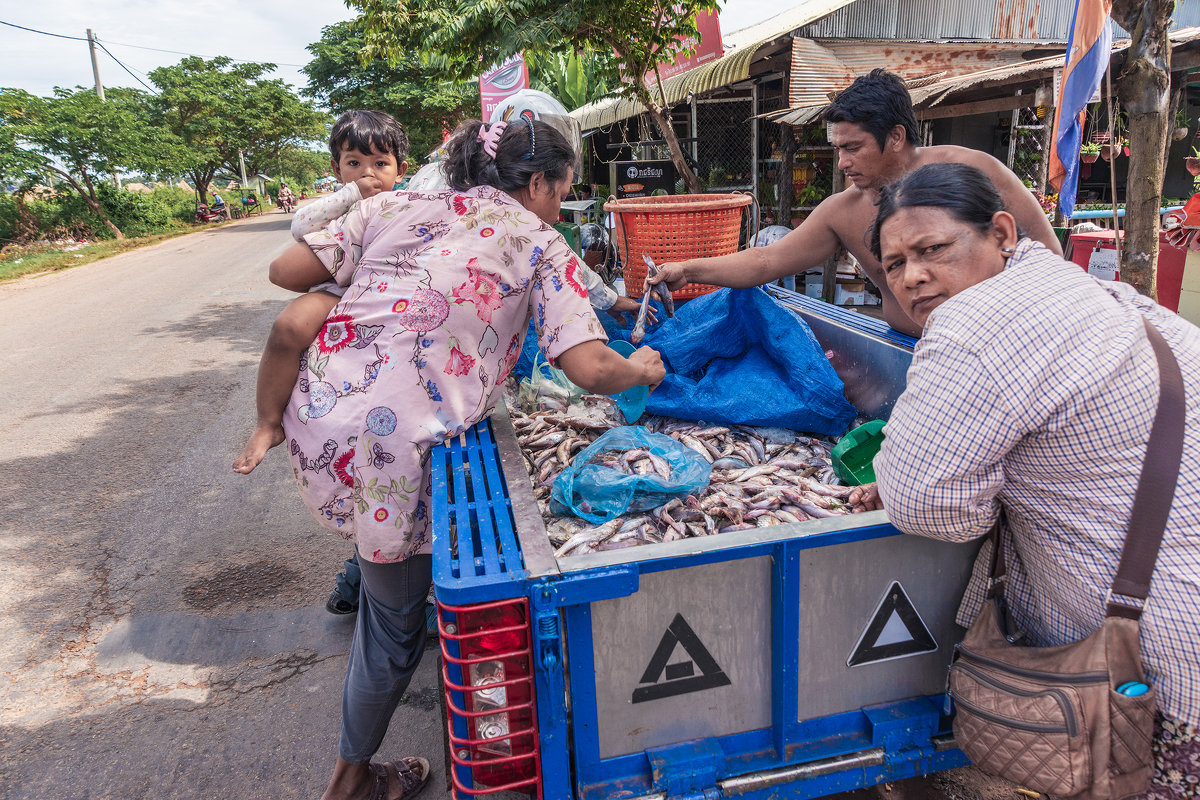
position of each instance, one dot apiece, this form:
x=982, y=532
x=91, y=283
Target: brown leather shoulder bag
x=1075, y=721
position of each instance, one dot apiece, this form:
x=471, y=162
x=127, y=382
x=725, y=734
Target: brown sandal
x=412, y=773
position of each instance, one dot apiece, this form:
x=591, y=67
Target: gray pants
x=389, y=639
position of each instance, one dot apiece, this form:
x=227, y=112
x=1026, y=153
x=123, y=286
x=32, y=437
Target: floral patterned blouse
x=440, y=289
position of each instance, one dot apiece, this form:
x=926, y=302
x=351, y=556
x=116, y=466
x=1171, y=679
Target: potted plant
x=1181, y=125
x=1106, y=151
x=1192, y=162
x=1090, y=151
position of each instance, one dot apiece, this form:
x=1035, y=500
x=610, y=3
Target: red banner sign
x=707, y=47
x=507, y=78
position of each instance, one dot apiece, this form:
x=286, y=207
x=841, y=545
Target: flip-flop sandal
x=412, y=771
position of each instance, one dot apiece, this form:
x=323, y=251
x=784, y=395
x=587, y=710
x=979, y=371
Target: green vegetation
x=215, y=110
x=459, y=37
x=416, y=93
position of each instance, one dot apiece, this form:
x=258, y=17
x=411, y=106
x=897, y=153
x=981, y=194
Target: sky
x=253, y=30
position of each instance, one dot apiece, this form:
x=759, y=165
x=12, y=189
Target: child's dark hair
x=517, y=157
x=368, y=132
x=878, y=101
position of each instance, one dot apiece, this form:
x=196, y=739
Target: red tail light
x=500, y=746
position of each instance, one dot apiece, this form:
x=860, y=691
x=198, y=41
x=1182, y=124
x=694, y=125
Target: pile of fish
x=760, y=476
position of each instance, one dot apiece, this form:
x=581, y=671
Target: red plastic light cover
x=495, y=660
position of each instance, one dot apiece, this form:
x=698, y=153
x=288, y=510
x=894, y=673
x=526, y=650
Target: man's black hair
x=368, y=132
x=878, y=101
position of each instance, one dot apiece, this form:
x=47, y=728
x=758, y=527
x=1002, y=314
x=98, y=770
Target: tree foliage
x=459, y=37
x=576, y=79
x=415, y=93
x=217, y=108
x=79, y=138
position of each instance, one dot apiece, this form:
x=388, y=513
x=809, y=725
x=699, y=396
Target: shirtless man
x=873, y=127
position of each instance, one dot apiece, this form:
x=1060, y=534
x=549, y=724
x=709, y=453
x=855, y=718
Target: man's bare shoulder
x=953, y=154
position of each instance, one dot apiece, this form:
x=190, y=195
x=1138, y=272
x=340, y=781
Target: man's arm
x=1018, y=199
x=804, y=248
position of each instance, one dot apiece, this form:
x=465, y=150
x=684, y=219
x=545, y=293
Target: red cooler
x=1097, y=253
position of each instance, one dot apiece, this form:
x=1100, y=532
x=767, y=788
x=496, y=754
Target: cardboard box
x=844, y=296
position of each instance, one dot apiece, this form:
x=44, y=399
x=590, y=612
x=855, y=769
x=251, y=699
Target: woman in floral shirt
x=440, y=289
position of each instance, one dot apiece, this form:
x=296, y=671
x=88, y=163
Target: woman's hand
x=866, y=497
x=672, y=273
x=651, y=363
x=596, y=367
x=627, y=305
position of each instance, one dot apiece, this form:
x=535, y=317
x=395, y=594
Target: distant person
x=875, y=133
x=219, y=205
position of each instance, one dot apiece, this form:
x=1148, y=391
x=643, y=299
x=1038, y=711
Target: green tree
x=459, y=37
x=416, y=94
x=303, y=165
x=576, y=79
x=217, y=109
x=78, y=138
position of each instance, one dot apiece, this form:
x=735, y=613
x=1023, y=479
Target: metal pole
x=95, y=64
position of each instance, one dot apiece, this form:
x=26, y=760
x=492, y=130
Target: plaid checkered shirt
x=1036, y=390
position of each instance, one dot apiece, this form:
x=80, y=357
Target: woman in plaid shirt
x=1032, y=390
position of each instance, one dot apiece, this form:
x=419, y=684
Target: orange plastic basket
x=675, y=228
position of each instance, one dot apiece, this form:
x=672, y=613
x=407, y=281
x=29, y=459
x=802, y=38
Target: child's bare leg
x=291, y=334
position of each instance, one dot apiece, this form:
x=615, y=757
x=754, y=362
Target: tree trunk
x=1144, y=91
x=92, y=202
x=690, y=181
x=787, y=161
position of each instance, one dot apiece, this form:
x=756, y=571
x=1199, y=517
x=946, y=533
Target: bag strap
x=1151, y=501
x=1156, y=486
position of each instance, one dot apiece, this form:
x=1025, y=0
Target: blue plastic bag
x=737, y=356
x=598, y=493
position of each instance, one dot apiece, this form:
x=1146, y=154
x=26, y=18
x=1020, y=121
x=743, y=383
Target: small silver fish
x=661, y=289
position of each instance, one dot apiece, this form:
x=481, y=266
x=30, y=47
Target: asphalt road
x=162, y=622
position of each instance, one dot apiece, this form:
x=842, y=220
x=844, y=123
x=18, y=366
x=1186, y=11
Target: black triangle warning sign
x=896, y=630
x=680, y=677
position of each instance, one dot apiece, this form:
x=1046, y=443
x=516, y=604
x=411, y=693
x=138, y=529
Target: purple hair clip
x=491, y=137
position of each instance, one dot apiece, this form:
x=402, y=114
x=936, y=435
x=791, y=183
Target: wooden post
x=829, y=274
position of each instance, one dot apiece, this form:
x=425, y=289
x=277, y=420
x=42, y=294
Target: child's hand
x=369, y=186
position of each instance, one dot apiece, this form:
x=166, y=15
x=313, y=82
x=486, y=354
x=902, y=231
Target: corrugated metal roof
x=829, y=65
x=1028, y=20
x=734, y=66
x=946, y=90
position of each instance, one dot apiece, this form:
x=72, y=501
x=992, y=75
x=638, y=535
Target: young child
x=368, y=150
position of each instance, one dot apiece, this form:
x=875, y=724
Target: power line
x=159, y=49
x=44, y=33
x=139, y=47
x=127, y=69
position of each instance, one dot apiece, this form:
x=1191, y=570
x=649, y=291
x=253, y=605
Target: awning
x=740, y=49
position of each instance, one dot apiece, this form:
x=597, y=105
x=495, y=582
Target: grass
x=23, y=260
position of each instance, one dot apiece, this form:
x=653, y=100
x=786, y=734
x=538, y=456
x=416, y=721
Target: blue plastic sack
x=598, y=493
x=737, y=356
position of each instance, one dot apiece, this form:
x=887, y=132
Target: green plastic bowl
x=632, y=402
x=854, y=455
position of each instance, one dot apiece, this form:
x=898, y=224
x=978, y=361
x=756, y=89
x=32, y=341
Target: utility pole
x=99, y=86
x=95, y=64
